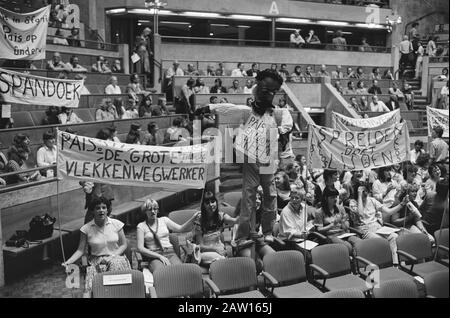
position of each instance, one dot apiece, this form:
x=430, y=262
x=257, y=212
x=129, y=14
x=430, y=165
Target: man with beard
x=384, y=188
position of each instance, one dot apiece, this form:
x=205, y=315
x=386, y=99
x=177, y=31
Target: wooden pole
x=2, y=268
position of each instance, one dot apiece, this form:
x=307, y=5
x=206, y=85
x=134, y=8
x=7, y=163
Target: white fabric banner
x=23, y=36
x=357, y=150
x=345, y=123
x=437, y=117
x=91, y=159
x=21, y=88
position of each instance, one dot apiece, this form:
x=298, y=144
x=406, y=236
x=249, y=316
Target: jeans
x=369, y=232
x=247, y=219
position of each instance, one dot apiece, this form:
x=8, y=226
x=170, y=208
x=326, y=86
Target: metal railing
x=380, y=3
x=84, y=43
x=278, y=44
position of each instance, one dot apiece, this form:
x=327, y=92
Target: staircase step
x=230, y=185
x=230, y=175
x=230, y=167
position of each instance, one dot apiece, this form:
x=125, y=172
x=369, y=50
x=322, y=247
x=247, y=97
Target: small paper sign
x=135, y=58
x=307, y=245
x=122, y=279
x=6, y=111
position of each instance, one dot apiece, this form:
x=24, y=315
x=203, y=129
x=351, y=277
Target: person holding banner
x=56, y=64
x=378, y=106
x=67, y=116
x=385, y=188
x=153, y=236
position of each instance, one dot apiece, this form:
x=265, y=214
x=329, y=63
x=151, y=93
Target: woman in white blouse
x=153, y=236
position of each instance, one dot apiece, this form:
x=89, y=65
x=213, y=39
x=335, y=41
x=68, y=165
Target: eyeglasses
x=207, y=201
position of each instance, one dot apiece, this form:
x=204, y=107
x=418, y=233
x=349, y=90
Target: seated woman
x=409, y=217
x=283, y=189
x=145, y=109
x=106, y=240
x=332, y=221
x=17, y=157
x=153, y=236
x=208, y=229
x=435, y=173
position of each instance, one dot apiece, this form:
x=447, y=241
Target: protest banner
x=257, y=141
x=345, y=123
x=334, y=149
x=437, y=117
x=90, y=159
x=23, y=36
x=29, y=89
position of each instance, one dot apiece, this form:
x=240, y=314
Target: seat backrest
x=23, y=119
x=397, y=288
x=344, y=293
x=84, y=114
x=181, y=216
x=134, y=290
x=178, y=281
x=286, y=266
x=375, y=250
x=232, y=198
x=441, y=237
x=436, y=284
x=38, y=117
x=233, y=274
x=332, y=257
x=416, y=244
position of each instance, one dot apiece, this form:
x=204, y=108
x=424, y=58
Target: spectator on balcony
x=337, y=74
x=17, y=161
x=354, y=104
x=214, y=100
x=296, y=39
x=431, y=46
x=218, y=88
x=378, y=106
x=338, y=87
x=248, y=88
x=339, y=42
x=420, y=52
x=130, y=112
x=74, y=65
x=200, y=87
x=364, y=46
x=58, y=39
x=253, y=71
x=274, y=67
x=375, y=89
x=117, y=67
x=74, y=37
x=100, y=66
x=107, y=111
x=152, y=137
x=51, y=116
x=118, y=105
x=360, y=73
x=375, y=75
x=323, y=71
x=134, y=135
x=360, y=89
x=142, y=48
x=113, y=88
x=174, y=70
x=160, y=109
x=349, y=73
x=409, y=96
x=396, y=95
x=46, y=155
x=134, y=87
x=297, y=76
x=210, y=70
x=191, y=71
x=443, y=98
x=235, y=89
x=284, y=73
x=145, y=109
x=239, y=71
x=309, y=77
x=364, y=104
x=388, y=75
x=312, y=39
x=351, y=89
x=413, y=34
x=405, y=48
x=56, y=64
x=67, y=116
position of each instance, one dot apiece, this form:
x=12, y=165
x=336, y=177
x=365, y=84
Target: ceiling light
x=219, y=25
x=201, y=14
x=116, y=11
x=370, y=26
x=336, y=23
x=174, y=22
x=248, y=17
x=292, y=20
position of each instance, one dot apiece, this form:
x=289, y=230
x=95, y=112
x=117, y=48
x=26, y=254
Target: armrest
x=364, y=261
x=425, y=222
x=429, y=296
x=319, y=236
x=152, y=292
x=321, y=271
x=442, y=247
x=212, y=286
x=409, y=257
x=390, y=225
x=279, y=242
x=84, y=261
x=273, y=282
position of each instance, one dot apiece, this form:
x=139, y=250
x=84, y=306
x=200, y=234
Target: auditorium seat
x=38, y=117
x=180, y=280
x=134, y=290
x=400, y=288
x=84, y=114
x=22, y=119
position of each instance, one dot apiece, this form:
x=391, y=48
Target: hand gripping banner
x=437, y=117
x=345, y=123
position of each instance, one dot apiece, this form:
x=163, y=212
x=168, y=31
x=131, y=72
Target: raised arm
x=186, y=227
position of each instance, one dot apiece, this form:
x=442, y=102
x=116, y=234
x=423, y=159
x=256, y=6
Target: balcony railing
x=379, y=3
x=278, y=44
x=84, y=44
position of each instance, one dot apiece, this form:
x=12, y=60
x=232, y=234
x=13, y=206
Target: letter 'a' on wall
x=23, y=36
x=333, y=149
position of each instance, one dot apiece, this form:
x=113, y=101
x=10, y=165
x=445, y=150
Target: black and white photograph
x=224, y=153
